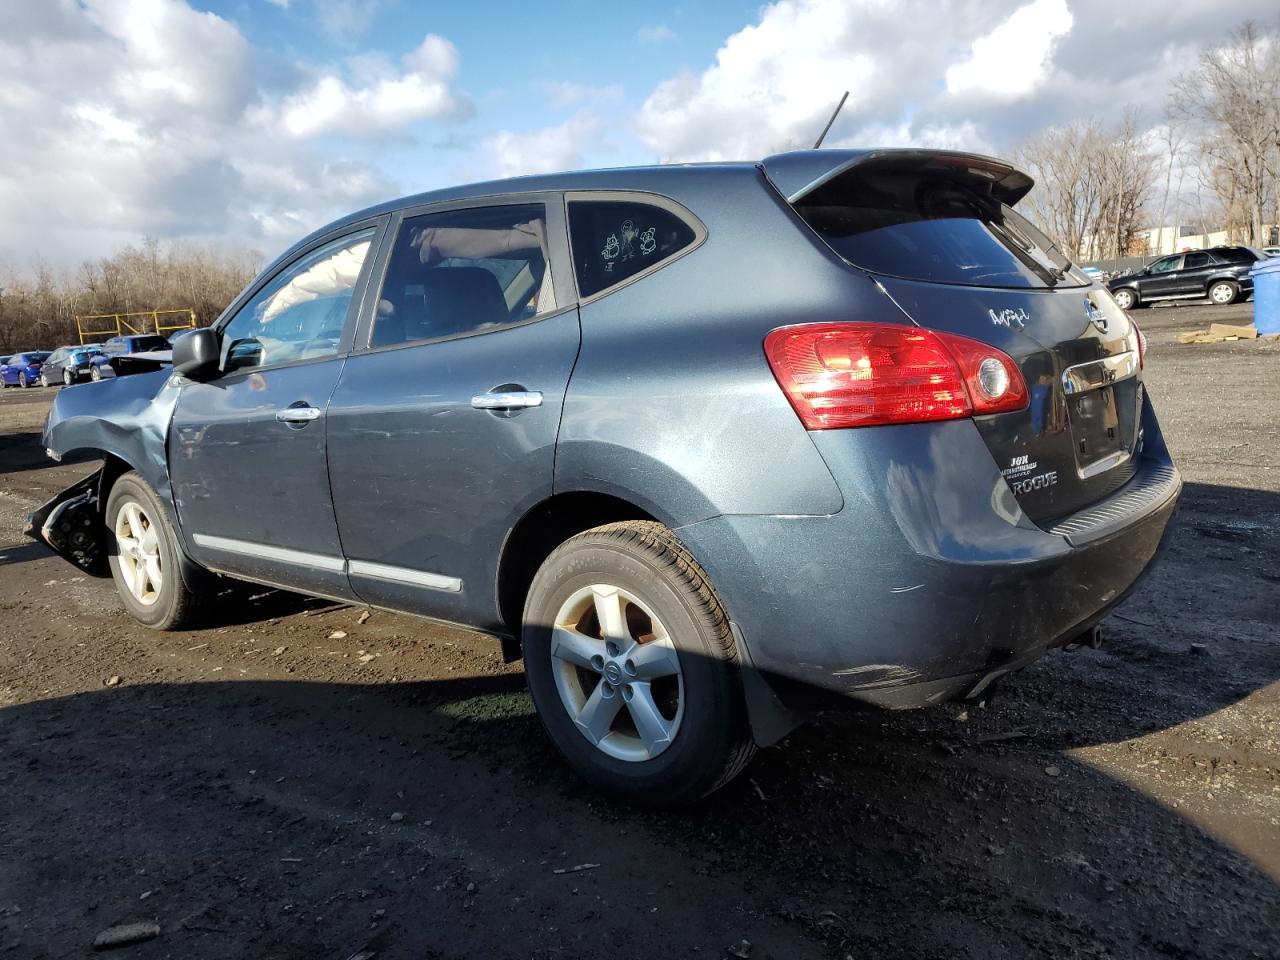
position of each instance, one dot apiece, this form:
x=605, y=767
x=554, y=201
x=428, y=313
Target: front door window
x=301, y=313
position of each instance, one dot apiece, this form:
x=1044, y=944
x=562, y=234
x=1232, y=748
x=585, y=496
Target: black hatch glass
x=928, y=227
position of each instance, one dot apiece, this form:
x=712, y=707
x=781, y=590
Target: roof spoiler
x=799, y=173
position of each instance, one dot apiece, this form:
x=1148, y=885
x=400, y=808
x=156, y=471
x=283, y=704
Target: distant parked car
x=1271, y=252
x=118, y=346
x=68, y=364
x=23, y=369
x=1093, y=273
x=1220, y=273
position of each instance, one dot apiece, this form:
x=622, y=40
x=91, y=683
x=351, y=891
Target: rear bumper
x=930, y=583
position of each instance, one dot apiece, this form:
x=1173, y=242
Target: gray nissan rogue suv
x=704, y=444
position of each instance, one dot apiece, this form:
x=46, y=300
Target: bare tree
x=1232, y=99
x=1092, y=184
x=38, y=307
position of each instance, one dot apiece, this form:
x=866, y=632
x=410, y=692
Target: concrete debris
x=278, y=650
x=338, y=635
x=397, y=817
x=1200, y=648
x=125, y=934
x=364, y=617
x=1051, y=771
x=113, y=681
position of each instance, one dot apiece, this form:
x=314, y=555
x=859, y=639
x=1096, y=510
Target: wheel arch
x=543, y=528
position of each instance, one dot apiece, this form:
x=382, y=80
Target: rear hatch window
x=933, y=226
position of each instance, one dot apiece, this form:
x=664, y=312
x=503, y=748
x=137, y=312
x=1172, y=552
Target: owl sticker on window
x=648, y=242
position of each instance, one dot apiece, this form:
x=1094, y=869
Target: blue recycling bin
x=1266, y=295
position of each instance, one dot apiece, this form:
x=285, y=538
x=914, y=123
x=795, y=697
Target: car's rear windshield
x=923, y=227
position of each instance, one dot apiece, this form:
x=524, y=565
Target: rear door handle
x=510, y=400
x=298, y=414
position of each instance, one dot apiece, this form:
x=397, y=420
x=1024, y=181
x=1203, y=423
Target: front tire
x=23, y=382
x=143, y=556
x=94, y=373
x=632, y=666
x=67, y=378
x=1223, y=292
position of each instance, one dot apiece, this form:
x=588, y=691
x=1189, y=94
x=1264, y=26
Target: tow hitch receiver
x=71, y=524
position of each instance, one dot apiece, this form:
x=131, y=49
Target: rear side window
x=615, y=240
x=927, y=227
x=1194, y=261
x=464, y=271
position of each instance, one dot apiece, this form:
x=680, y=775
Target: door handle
x=297, y=414
x=509, y=400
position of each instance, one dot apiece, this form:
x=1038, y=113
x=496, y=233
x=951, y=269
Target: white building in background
x=1162, y=240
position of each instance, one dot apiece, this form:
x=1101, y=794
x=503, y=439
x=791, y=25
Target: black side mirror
x=195, y=355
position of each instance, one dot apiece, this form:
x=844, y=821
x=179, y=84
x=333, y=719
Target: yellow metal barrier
x=137, y=322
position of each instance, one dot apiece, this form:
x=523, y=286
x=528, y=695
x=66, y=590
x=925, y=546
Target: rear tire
x=44, y=379
x=23, y=382
x=143, y=554
x=94, y=373
x=67, y=378
x=674, y=725
x=1223, y=292
x=1126, y=299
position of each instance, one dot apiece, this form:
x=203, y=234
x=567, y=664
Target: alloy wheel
x=44, y=379
x=617, y=672
x=66, y=378
x=1124, y=299
x=138, y=553
x=1221, y=293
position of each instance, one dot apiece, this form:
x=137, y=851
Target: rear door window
x=927, y=227
x=462, y=272
x=1195, y=261
x=614, y=241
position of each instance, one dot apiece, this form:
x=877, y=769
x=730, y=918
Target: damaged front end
x=71, y=525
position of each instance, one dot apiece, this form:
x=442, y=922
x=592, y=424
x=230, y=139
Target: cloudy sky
x=254, y=121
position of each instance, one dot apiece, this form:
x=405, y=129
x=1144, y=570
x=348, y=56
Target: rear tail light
x=1142, y=344
x=867, y=374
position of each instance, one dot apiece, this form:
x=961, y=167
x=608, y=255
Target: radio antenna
x=835, y=114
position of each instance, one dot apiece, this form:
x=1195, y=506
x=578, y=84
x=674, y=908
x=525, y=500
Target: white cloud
x=383, y=98
x=976, y=74
x=1013, y=59
x=546, y=150
x=659, y=33
x=772, y=85
x=182, y=130
x=282, y=4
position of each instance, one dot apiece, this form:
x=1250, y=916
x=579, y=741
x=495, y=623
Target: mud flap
x=71, y=525
x=770, y=719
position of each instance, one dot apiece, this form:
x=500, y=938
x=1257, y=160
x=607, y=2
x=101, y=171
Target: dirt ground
x=295, y=783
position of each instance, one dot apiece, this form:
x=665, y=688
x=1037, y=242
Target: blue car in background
x=67, y=365
x=23, y=369
x=100, y=366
